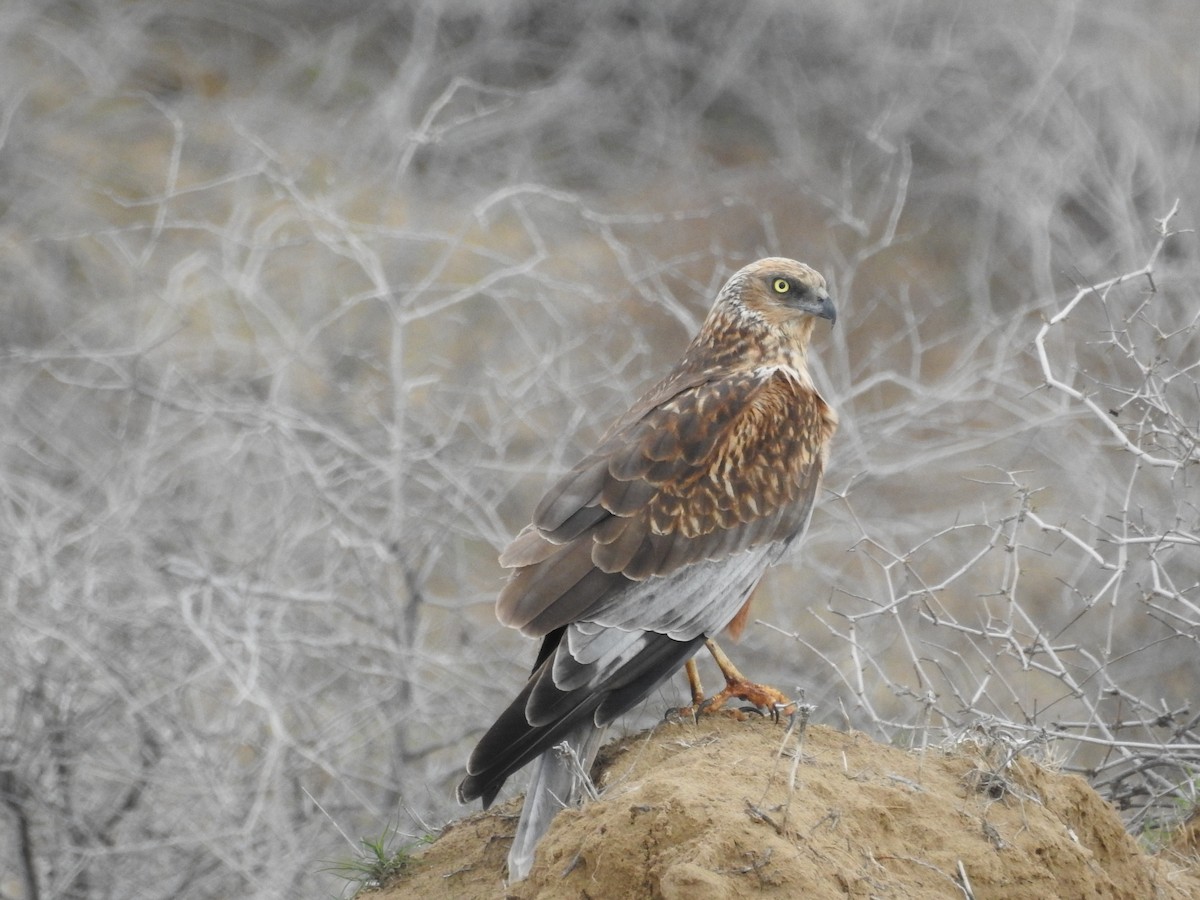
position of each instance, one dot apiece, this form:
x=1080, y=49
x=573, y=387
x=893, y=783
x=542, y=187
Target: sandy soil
x=705, y=810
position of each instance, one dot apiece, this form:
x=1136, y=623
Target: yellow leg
x=737, y=685
x=693, y=676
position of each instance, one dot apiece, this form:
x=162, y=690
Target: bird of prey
x=654, y=542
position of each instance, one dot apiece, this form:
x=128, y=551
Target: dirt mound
x=705, y=810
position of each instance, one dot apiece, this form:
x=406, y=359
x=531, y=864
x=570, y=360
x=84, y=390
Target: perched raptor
x=654, y=542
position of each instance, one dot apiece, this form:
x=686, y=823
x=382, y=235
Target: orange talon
x=760, y=696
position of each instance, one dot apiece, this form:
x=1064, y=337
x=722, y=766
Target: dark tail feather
x=578, y=716
x=512, y=742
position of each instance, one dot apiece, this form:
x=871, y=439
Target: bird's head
x=765, y=313
x=780, y=291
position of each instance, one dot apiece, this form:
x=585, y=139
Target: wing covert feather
x=713, y=470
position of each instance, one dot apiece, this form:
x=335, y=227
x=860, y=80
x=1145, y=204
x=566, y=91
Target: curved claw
x=680, y=714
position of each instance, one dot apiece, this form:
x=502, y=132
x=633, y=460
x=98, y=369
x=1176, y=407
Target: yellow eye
x=781, y=286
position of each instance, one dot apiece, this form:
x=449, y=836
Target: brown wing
x=718, y=467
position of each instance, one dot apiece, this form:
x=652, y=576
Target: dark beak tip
x=829, y=311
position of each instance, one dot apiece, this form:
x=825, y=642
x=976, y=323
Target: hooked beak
x=825, y=309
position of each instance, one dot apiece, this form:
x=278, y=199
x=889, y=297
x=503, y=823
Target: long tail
x=556, y=783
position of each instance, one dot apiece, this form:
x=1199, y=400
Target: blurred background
x=303, y=304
